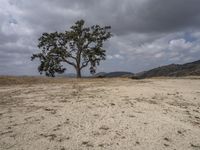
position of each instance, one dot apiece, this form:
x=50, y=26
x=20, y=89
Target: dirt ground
x=99, y=114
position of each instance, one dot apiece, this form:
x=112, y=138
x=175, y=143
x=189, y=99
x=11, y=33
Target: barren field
x=99, y=114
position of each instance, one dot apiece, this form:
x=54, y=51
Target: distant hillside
x=114, y=74
x=176, y=70
x=69, y=75
x=100, y=74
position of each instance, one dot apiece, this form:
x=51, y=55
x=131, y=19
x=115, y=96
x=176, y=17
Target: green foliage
x=78, y=47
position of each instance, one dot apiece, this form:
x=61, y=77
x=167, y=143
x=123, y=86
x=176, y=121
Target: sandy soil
x=98, y=114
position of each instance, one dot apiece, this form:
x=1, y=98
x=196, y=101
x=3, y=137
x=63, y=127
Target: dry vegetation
x=112, y=114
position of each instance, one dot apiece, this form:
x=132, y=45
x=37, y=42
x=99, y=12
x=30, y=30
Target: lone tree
x=78, y=47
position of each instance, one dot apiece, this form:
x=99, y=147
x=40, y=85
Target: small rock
x=104, y=127
x=166, y=145
x=112, y=104
x=179, y=132
x=101, y=145
x=87, y=143
x=166, y=139
x=137, y=142
x=131, y=116
x=195, y=146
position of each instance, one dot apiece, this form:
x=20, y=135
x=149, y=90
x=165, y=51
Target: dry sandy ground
x=98, y=114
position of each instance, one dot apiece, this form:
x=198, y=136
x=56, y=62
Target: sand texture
x=100, y=114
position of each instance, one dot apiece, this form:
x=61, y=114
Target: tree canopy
x=79, y=47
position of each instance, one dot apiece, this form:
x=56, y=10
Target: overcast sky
x=147, y=33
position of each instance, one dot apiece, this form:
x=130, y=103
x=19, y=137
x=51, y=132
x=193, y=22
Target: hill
x=173, y=70
x=114, y=74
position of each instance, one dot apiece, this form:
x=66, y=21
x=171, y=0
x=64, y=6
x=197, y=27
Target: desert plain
x=39, y=113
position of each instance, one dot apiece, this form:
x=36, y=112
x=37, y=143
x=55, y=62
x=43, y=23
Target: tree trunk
x=78, y=68
x=78, y=72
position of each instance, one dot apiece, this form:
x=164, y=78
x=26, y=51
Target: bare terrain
x=98, y=114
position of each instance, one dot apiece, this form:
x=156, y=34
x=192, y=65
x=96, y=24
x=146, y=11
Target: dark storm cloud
x=170, y=15
x=7, y=38
x=147, y=32
x=124, y=16
x=158, y=16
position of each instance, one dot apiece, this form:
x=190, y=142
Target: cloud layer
x=147, y=33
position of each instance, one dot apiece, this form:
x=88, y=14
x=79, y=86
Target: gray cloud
x=148, y=33
x=170, y=15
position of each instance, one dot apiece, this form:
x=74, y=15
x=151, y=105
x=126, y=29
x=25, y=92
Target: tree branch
x=84, y=64
x=70, y=55
x=86, y=45
x=71, y=63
